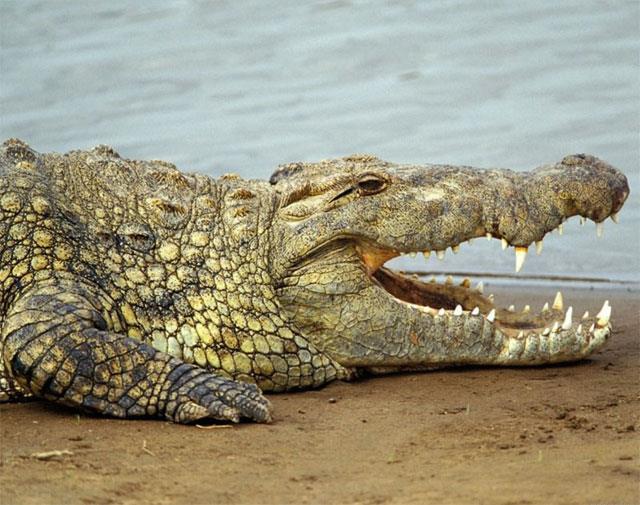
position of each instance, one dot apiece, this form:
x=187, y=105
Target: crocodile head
x=341, y=220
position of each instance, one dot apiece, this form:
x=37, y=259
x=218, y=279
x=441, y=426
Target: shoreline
x=556, y=434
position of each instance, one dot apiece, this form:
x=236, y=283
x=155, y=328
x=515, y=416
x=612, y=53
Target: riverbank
x=560, y=434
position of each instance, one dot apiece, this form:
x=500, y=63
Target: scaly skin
x=131, y=289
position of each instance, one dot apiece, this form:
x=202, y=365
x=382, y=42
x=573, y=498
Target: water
x=243, y=86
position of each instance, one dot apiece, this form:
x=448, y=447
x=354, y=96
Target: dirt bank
x=561, y=434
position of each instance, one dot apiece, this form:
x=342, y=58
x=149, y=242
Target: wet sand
x=559, y=434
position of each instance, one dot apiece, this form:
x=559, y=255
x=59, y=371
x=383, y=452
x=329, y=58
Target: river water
x=244, y=86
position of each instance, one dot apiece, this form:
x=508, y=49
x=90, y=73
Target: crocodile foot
x=196, y=394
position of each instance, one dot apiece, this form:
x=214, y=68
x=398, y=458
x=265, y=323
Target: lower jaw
x=441, y=298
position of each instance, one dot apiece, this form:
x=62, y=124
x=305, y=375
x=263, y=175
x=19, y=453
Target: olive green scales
x=132, y=289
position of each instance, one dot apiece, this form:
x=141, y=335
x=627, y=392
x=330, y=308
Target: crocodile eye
x=370, y=185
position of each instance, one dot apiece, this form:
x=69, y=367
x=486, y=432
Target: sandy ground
x=561, y=434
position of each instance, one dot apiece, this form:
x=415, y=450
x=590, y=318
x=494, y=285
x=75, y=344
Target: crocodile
x=132, y=289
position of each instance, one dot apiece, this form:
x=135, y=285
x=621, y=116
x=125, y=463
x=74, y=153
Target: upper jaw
x=433, y=208
x=375, y=256
x=438, y=207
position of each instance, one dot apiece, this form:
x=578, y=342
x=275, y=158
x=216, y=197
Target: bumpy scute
x=175, y=285
x=132, y=289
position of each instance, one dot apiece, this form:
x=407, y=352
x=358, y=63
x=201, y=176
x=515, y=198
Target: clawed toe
x=220, y=399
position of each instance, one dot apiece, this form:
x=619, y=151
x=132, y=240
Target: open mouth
x=450, y=300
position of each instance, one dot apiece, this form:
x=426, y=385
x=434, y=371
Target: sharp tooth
x=560, y=229
x=491, y=298
x=558, y=302
x=466, y=282
x=475, y=311
x=449, y=280
x=599, y=229
x=593, y=327
x=546, y=331
x=521, y=255
x=491, y=316
x=604, y=314
x=579, y=329
x=582, y=221
x=511, y=308
x=458, y=310
x=585, y=315
x=440, y=255
x=555, y=327
x=566, y=324
x=521, y=335
x=615, y=218
x=441, y=312
x=538, y=247
x=488, y=235
x=480, y=287
x=605, y=304
x=505, y=244
x=527, y=308
x=455, y=249
x=426, y=254
x=546, y=307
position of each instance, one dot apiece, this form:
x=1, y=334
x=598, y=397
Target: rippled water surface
x=244, y=86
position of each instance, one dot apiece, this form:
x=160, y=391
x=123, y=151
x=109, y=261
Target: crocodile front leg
x=57, y=345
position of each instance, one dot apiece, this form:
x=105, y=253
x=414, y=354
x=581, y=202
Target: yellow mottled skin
x=132, y=289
